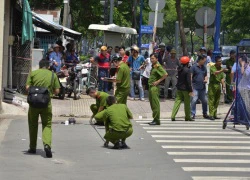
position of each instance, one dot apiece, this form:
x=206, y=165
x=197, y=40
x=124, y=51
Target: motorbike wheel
x=76, y=85
x=62, y=93
x=92, y=82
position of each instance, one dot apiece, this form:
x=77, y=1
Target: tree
x=182, y=33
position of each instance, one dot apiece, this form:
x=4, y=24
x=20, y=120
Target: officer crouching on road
x=41, y=78
x=117, y=123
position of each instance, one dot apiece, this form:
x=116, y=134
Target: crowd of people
x=122, y=71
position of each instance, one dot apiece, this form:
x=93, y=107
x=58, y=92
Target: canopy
x=113, y=28
x=57, y=29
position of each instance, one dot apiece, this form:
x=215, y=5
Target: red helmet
x=185, y=60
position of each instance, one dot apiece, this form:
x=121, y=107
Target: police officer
x=214, y=87
x=157, y=75
x=117, y=123
x=122, y=80
x=42, y=78
x=100, y=103
x=229, y=64
x=184, y=89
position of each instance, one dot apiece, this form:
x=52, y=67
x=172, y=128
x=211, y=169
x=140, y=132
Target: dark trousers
x=103, y=86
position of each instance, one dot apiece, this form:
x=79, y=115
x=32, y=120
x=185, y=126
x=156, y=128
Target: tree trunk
x=192, y=41
x=182, y=33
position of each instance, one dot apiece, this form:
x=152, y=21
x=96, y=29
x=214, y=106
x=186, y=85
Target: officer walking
x=199, y=80
x=42, y=78
x=122, y=80
x=157, y=75
x=117, y=123
x=184, y=89
x=100, y=105
x=214, y=87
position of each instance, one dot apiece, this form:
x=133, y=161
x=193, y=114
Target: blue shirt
x=72, y=58
x=198, y=76
x=56, y=57
x=135, y=64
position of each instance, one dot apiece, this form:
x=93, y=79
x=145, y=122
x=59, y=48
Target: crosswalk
x=203, y=149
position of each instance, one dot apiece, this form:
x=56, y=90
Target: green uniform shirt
x=229, y=62
x=215, y=79
x=123, y=75
x=156, y=73
x=117, y=117
x=101, y=99
x=42, y=78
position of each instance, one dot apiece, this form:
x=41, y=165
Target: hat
x=136, y=48
x=50, y=50
x=56, y=46
x=203, y=48
x=162, y=45
x=173, y=51
x=232, y=52
x=185, y=60
x=116, y=57
x=104, y=48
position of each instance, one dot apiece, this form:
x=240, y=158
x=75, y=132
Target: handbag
x=136, y=75
x=39, y=97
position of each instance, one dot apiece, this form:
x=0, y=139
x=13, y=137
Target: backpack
x=39, y=97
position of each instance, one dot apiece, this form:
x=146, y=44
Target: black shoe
x=205, y=116
x=172, y=119
x=217, y=117
x=117, y=146
x=153, y=123
x=106, y=144
x=191, y=120
x=98, y=123
x=47, y=150
x=32, y=151
x=193, y=117
x=211, y=118
x=124, y=146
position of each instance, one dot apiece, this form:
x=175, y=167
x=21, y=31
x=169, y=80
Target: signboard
x=147, y=29
x=151, y=19
x=161, y=4
x=199, y=16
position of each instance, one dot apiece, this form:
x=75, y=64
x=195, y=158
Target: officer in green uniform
x=157, y=75
x=122, y=80
x=229, y=63
x=214, y=87
x=117, y=123
x=42, y=78
x=100, y=105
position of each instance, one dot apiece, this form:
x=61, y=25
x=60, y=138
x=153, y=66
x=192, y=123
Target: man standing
x=184, y=89
x=157, y=75
x=214, y=87
x=162, y=53
x=199, y=80
x=42, y=78
x=103, y=68
x=171, y=64
x=122, y=80
x=203, y=51
x=135, y=62
x=117, y=123
x=100, y=104
x=229, y=64
x=56, y=58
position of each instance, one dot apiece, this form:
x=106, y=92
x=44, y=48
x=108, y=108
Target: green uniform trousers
x=182, y=96
x=229, y=92
x=115, y=136
x=154, y=93
x=121, y=95
x=46, y=117
x=97, y=116
x=214, y=91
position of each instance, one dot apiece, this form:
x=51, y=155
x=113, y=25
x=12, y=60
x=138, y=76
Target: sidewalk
x=80, y=108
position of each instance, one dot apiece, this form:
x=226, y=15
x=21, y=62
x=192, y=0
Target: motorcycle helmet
x=185, y=60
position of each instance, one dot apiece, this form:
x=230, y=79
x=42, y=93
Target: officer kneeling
x=117, y=123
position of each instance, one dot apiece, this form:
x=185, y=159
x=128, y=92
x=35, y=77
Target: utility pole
x=140, y=34
x=112, y=4
x=66, y=13
x=217, y=30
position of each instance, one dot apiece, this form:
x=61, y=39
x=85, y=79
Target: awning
x=54, y=28
x=113, y=28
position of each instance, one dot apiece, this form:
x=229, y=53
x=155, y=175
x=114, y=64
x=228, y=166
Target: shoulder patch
x=156, y=65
